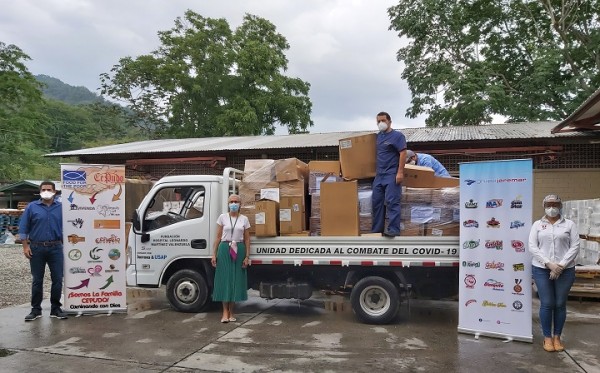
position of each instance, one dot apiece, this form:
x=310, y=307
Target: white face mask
x=382, y=126
x=413, y=162
x=46, y=195
x=552, y=211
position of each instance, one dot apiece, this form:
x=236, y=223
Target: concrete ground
x=282, y=336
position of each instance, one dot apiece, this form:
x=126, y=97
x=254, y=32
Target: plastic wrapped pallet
x=315, y=178
x=258, y=174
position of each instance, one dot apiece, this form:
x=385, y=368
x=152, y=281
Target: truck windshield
x=174, y=204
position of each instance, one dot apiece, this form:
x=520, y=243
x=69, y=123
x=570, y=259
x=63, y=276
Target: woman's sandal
x=549, y=346
x=225, y=320
x=232, y=319
x=558, y=346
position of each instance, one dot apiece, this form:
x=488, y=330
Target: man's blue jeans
x=553, y=298
x=53, y=256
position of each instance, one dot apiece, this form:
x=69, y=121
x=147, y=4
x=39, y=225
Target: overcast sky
x=343, y=48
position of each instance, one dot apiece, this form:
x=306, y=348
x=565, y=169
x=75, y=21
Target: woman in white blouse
x=554, y=244
x=230, y=257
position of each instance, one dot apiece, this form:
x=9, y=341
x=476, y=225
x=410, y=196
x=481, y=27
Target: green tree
x=20, y=95
x=207, y=80
x=527, y=60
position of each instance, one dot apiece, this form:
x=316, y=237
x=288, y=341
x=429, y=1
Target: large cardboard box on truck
x=358, y=156
x=424, y=177
x=339, y=209
x=292, y=216
x=290, y=169
x=266, y=218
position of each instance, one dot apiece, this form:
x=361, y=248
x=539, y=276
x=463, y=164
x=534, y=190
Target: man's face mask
x=46, y=195
x=382, y=126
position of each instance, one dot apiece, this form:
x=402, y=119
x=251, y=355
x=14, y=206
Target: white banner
x=495, y=265
x=93, y=200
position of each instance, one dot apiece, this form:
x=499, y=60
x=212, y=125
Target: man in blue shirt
x=387, y=186
x=426, y=160
x=41, y=231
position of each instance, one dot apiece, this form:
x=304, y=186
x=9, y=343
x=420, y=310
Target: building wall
x=568, y=184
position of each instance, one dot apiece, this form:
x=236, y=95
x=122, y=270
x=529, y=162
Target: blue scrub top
x=389, y=146
x=427, y=160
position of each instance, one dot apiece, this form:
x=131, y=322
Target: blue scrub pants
x=386, y=194
x=53, y=256
x=553, y=298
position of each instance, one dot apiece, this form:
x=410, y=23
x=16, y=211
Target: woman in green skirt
x=230, y=258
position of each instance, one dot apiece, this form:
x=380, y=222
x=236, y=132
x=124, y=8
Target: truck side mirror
x=135, y=222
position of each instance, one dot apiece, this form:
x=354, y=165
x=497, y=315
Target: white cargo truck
x=174, y=228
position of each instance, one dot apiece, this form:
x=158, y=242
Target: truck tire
x=187, y=291
x=375, y=300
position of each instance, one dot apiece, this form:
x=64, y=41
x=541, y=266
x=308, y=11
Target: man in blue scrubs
x=387, y=186
x=426, y=160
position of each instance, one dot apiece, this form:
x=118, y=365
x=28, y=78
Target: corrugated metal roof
x=535, y=130
x=585, y=117
x=19, y=185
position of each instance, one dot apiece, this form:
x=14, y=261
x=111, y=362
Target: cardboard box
x=445, y=182
x=250, y=213
x=339, y=209
x=292, y=188
x=445, y=229
x=371, y=235
x=290, y=169
x=292, y=215
x=317, y=177
x=303, y=233
x=424, y=177
x=417, y=176
x=266, y=218
x=325, y=166
x=411, y=230
x=358, y=156
x=259, y=171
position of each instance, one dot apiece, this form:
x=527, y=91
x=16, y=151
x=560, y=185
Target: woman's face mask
x=234, y=206
x=552, y=211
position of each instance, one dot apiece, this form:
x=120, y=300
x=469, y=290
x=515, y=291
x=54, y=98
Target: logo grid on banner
x=93, y=206
x=495, y=292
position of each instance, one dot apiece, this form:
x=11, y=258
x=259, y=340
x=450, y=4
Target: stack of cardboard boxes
x=339, y=195
x=273, y=195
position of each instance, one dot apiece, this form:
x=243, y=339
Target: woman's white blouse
x=227, y=222
x=557, y=243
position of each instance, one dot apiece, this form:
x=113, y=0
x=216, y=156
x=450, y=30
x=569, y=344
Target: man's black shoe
x=391, y=234
x=33, y=315
x=59, y=314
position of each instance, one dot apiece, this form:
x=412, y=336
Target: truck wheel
x=375, y=300
x=187, y=291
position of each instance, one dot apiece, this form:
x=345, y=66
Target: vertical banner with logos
x=495, y=265
x=93, y=200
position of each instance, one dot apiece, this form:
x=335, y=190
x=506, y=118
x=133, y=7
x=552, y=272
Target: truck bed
x=428, y=251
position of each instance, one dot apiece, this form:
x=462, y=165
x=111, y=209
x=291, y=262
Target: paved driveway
x=282, y=336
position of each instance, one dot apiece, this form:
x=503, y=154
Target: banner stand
x=93, y=207
x=495, y=292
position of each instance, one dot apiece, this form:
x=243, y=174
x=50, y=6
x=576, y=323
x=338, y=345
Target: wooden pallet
x=589, y=238
x=587, y=282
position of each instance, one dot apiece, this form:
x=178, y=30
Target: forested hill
x=57, y=90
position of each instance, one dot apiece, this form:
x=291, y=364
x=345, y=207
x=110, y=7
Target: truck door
x=176, y=224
